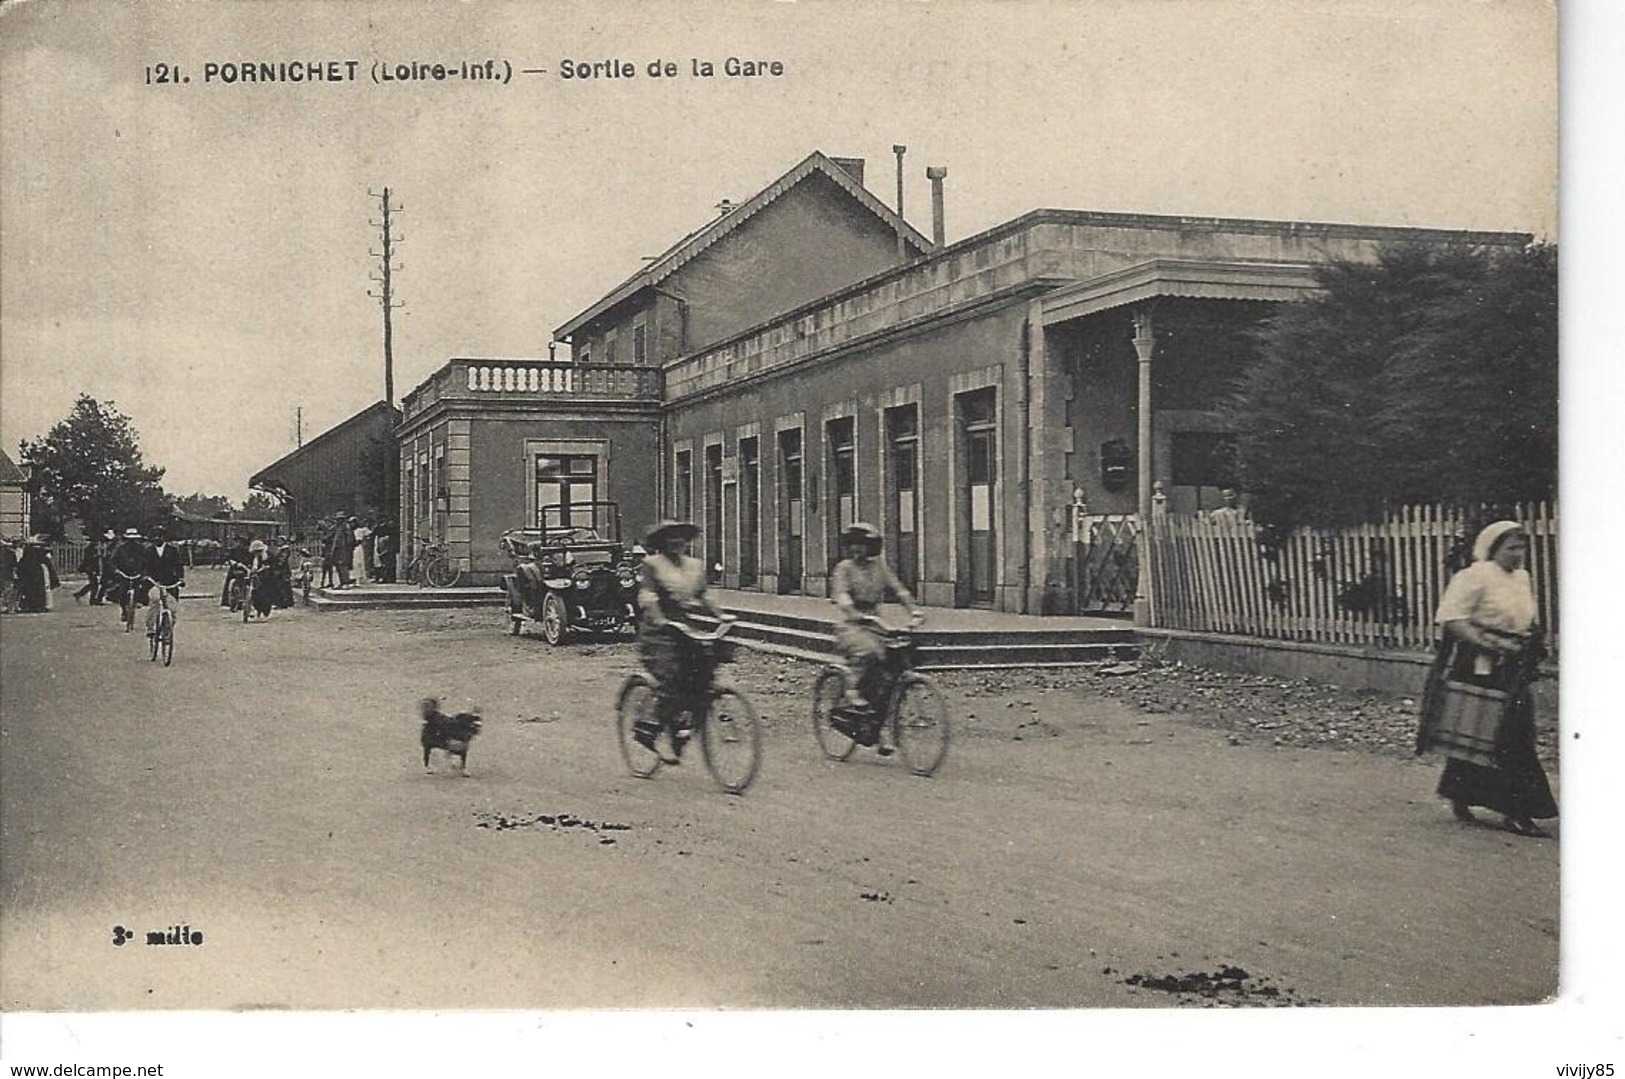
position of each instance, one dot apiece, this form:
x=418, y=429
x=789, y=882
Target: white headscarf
x=1488, y=538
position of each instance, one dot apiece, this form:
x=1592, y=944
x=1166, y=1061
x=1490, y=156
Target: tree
x=89, y=466
x=259, y=506
x=201, y=505
x=1429, y=375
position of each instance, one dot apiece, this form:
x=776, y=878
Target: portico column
x=1144, y=343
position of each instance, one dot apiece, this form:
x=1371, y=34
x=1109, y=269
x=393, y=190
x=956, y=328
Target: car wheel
x=555, y=619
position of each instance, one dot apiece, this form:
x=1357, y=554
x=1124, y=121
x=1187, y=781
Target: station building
x=347, y=469
x=996, y=406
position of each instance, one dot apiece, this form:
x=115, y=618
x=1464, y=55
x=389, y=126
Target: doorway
x=902, y=493
x=979, y=494
x=791, y=512
x=713, y=513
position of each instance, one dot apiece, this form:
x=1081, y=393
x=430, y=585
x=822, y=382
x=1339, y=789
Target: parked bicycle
x=432, y=567
x=163, y=626
x=902, y=703
x=720, y=717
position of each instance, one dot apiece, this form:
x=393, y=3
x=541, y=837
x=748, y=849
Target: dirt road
x=266, y=792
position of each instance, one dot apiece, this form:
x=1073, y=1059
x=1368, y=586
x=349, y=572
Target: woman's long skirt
x=32, y=587
x=1515, y=784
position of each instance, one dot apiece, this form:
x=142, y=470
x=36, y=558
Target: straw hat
x=660, y=533
x=862, y=532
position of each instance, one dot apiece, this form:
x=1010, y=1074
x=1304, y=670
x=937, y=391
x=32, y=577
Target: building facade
x=346, y=469
x=996, y=406
x=15, y=507
x=488, y=445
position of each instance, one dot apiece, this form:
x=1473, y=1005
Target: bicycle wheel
x=152, y=641
x=440, y=573
x=829, y=693
x=248, y=602
x=731, y=740
x=129, y=612
x=166, y=637
x=636, y=700
x=919, y=723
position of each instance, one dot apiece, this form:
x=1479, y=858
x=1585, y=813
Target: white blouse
x=1489, y=596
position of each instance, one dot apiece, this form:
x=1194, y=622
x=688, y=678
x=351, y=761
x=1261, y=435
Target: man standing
x=1230, y=510
x=341, y=548
x=93, y=566
x=384, y=552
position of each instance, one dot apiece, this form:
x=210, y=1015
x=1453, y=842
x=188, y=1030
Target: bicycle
x=236, y=591
x=127, y=602
x=250, y=584
x=901, y=702
x=163, y=629
x=432, y=567
x=722, y=718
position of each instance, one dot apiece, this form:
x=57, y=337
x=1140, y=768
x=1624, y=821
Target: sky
x=198, y=252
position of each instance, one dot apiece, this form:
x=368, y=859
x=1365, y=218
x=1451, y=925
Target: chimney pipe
x=902, y=249
x=936, y=174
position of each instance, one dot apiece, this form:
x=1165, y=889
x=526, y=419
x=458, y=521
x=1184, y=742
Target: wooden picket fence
x=1374, y=584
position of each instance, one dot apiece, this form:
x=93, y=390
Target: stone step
x=404, y=597
x=929, y=634
x=1024, y=654
x=811, y=639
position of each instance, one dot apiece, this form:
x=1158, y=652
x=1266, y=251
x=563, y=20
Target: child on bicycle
x=671, y=589
x=858, y=585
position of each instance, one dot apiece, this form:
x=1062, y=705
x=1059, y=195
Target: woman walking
x=1491, y=641
x=36, y=577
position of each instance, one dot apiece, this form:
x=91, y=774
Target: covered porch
x=1126, y=375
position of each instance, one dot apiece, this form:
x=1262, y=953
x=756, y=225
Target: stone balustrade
x=484, y=379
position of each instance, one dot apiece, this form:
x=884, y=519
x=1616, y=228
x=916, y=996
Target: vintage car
x=572, y=575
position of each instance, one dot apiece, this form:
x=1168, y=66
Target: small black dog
x=451, y=734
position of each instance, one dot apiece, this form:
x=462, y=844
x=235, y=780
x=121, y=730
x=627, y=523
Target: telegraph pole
x=385, y=294
x=299, y=426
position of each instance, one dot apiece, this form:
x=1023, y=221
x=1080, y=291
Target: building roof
x=690, y=246
x=10, y=474
x=373, y=412
x=1198, y=279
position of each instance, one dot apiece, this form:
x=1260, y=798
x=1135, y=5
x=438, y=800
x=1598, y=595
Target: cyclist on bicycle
x=166, y=566
x=858, y=585
x=129, y=562
x=237, y=559
x=671, y=589
x=257, y=582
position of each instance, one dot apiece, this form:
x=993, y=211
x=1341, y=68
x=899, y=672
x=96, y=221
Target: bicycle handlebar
x=876, y=621
x=723, y=626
